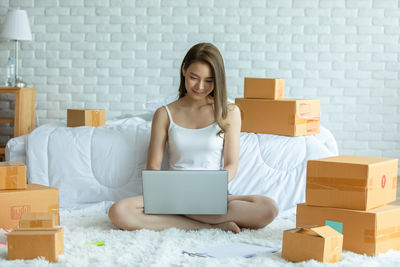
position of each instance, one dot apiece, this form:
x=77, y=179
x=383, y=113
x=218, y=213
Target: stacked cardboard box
x=38, y=220
x=36, y=237
x=36, y=242
x=350, y=194
x=12, y=175
x=18, y=197
x=35, y=208
x=264, y=109
x=86, y=117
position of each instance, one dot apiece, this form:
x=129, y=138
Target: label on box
x=304, y=110
x=312, y=126
x=383, y=181
x=338, y=226
x=16, y=211
x=96, y=118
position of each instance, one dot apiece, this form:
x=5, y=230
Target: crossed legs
x=250, y=211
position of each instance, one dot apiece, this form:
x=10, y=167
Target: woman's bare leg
x=128, y=214
x=250, y=211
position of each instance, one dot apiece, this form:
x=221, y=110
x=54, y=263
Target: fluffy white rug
x=149, y=248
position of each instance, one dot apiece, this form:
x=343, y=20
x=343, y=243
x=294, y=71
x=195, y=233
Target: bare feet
x=228, y=226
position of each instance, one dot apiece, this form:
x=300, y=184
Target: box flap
x=320, y=231
x=325, y=231
x=32, y=231
x=11, y=163
x=36, y=230
x=362, y=160
x=306, y=231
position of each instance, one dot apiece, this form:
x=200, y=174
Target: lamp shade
x=16, y=26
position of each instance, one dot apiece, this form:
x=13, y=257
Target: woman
x=200, y=113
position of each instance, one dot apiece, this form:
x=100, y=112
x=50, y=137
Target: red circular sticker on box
x=383, y=181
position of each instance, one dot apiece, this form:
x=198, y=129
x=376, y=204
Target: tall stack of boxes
x=35, y=209
x=18, y=197
x=350, y=194
x=265, y=110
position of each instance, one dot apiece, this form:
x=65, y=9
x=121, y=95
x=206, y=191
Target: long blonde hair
x=209, y=54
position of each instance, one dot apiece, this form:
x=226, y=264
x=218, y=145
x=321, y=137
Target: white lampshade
x=16, y=26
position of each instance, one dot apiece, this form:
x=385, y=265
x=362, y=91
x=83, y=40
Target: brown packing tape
x=382, y=235
x=303, y=120
x=12, y=175
x=394, y=235
x=335, y=246
x=299, y=120
x=55, y=209
x=11, y=182
x=312, y=123
x=372, y=180
x=280, y=93
x=335, y=258
x=12, y=171
x=312, y=126
x=36, y=223
x=95, y=118
x=333, y=183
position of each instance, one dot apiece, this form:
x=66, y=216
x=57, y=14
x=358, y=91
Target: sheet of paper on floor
x=229, y=250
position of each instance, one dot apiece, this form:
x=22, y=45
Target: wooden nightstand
x=24, y=111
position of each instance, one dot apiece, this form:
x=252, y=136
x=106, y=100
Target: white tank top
x=194, y=149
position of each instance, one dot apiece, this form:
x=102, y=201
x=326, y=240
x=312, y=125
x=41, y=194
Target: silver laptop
x=185, y=192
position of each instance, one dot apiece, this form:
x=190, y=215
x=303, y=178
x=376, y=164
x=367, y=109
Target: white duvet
x=93, y=167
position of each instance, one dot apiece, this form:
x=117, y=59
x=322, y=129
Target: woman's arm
x=159, y=133
x=232, y=141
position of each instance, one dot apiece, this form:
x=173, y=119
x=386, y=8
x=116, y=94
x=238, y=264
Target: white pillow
x=154, y=104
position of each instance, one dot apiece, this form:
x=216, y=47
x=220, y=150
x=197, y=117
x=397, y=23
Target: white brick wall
x=116, y=54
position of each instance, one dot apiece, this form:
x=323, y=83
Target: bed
x=94, y=167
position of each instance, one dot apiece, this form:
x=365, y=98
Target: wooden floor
x=397, y=202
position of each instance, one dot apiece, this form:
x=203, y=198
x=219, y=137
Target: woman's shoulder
x=233, y=110
x=233, y=115
x=161, y=115
x=163, y=109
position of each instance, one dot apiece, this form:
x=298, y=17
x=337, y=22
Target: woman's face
x=199, y=80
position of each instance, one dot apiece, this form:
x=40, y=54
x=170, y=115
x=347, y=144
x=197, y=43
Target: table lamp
x=16, y=27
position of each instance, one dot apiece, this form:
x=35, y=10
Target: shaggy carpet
x=149, y=248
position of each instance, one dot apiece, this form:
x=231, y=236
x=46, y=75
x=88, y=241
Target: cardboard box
x=264, y=88
x=292, y=117
x=86, y=117
x=351, y=182
x=319, y=243
x=35, y=198
x=12, y=175
x=371, y=232
x=32, y=243
x=38, y=220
